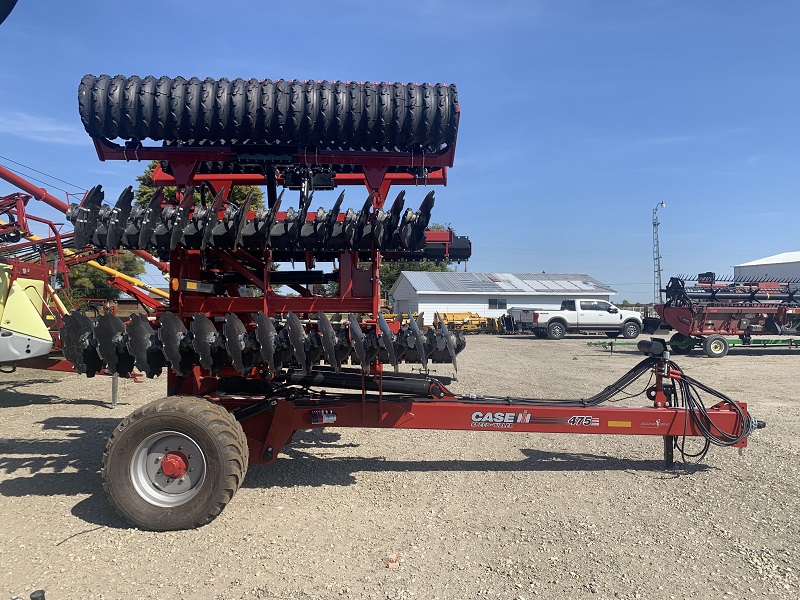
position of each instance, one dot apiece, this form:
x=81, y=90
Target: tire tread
x=222, y=425
x=326, y=115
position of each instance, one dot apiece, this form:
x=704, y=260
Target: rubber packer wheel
x=326, y=115
x=174, y=463
x=715, y=346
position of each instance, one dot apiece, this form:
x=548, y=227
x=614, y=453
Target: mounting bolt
x=181, y=480
x=158, y=459
x=158, y=472
x=269, y=448
x=180, y=447
x=189, y=457
x=166, y=449
x=191, y=469
x=169, y=480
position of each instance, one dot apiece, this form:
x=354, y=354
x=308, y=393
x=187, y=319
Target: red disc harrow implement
x=248, y=366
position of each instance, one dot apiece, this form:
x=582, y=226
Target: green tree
x=147, y=188
x=87, y=282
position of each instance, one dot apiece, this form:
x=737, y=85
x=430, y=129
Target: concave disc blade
x=297, y=336
x=388, y=340
x=357, y=338
x=328, y=341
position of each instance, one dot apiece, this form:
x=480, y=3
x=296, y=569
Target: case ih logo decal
x=507, y=420
x=500, y=420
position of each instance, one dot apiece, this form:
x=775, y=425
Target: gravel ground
x=467, y=514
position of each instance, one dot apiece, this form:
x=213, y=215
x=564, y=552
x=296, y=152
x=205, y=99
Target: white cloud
x=40, y=129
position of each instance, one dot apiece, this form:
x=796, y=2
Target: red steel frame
x=14, y=205
x=270, y=422
x=271, y=430
x=42, y=195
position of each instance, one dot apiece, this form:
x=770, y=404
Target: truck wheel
x=631, y=330
x=174, y=463
x=715, y=346
x=556, y=330
x=612, y=334
x=681, y=344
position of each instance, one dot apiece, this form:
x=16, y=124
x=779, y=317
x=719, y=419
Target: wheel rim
x=717, y=347
x=630, y=330
x=558, y=330
x=168, y=469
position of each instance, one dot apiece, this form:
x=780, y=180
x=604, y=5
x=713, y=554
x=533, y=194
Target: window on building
x=499, y=303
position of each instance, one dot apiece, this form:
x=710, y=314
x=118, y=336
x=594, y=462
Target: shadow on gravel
x=68, y=465
x=12, y=397
x=310, y=470
x=64, y=466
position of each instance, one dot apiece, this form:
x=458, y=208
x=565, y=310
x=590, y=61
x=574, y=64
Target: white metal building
x=489, y=294
x=778, y=267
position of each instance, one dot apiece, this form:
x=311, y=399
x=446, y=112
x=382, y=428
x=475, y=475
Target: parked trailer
x=519, y=318
x=705, y=313
x=245, y=372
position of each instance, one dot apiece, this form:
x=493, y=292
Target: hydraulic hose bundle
x=688, y=391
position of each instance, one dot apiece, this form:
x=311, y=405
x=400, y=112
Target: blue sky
x=578, y=117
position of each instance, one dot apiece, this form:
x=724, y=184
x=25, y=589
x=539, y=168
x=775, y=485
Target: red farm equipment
x=247, y=367
x=33, y=272
x=707, y=313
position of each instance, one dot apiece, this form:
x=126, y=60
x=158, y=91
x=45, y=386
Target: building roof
x=504, y=284
x=775, y=259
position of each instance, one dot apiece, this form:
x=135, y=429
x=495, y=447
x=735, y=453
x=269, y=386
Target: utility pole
x=656, y=257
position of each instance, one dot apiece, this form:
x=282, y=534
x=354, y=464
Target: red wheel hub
x=174, y=464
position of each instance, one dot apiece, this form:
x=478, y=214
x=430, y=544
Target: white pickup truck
x=586, y=315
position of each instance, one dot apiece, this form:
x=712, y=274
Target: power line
x=48, y=184
x=42, y=173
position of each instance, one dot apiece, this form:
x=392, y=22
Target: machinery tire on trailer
x=631, y=330
x=681, y=344
x=321, y=114
x=715, y=346
x=175, y=463
x=556, y=330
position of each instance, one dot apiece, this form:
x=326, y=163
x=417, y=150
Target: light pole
x=656, y=257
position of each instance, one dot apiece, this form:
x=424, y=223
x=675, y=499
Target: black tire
x=556, y=330
x=681, y=344
x=210, y=444
x=540, y=333
x=631, y=330
x=715, y=346
x=326, y=115
x=612, y=334
x=5, y=9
